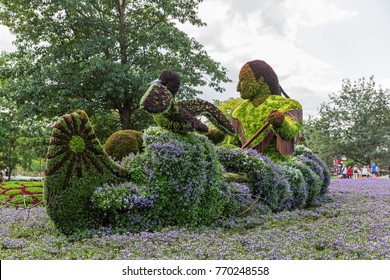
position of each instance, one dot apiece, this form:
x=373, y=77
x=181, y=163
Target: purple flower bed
x=353, y=223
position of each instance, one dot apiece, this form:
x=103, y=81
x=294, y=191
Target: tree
x=23, y=138
x=355, y=123
x=99, y=55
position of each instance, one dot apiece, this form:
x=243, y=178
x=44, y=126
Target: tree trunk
x=125, y=115
x=9, y=165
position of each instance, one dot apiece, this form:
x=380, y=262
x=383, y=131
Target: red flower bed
x=36, y=196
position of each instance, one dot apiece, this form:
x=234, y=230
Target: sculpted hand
x=276, y=118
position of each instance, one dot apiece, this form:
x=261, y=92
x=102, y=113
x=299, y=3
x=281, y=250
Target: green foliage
x=355, y=123
x=98, y=55
x=9, y=192
x=257, y=80
x=215, y=135
x=312, y=180
x=21, y=199
x=34, y=189
x=227, y=107
x=316, y=164
x=239, y=200
x=183, y=181
x=22, y=136
x=265, y=177
x=123, y=143
x=298, y=186
x=105, y=124
x=76, y=144
x=73, y=174
x=111, y=198
x=252, y=118
x=198, y=107
x=180, y=116
x=10, y=185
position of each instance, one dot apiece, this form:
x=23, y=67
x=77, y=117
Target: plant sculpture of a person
x=263, y=105
x=180, y=116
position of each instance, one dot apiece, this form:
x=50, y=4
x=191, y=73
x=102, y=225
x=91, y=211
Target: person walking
x=349, y=172
x=344, y=171
x=365, y=172
x=355, y=172
x=373, y=169
x=388, y=169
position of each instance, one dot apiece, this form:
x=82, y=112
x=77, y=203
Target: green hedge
x=123, y=143
x=178, y=180
x=76, y=166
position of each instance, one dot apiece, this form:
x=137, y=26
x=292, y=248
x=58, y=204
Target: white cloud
x=384, y=83
x=311, y=13
x=6, y=39
x=240, y=31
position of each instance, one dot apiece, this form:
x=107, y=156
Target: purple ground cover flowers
x=353, y=223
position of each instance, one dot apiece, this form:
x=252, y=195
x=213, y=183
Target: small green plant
x=11, y=185
x=21, y=199
x=123, y=143
x=9, y=192
x=34, y=190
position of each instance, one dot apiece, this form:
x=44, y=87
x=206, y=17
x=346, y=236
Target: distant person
x=349, y=172
x=365, y=171
x=388, y=169
x=378, y=171
x=373, y=169
x=344, y=171
x=355, y=172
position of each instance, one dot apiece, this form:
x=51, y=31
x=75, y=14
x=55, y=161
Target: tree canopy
x=23, y=139
x=98, y=55
x=355, y=123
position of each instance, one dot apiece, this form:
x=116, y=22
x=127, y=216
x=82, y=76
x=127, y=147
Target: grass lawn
x=354, y=223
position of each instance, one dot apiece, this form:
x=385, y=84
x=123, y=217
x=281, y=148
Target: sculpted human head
x=257, y=81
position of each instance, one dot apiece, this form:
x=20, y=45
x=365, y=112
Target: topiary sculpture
x=178, y=181
x=123, y=143
x=180, y=116
x=263, y=106
x=76, y=165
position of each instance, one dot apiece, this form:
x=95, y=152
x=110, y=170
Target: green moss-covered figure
x=123, y=143
x=180, y=116
x=178, y=181
x=259, y=87
x=76, y=165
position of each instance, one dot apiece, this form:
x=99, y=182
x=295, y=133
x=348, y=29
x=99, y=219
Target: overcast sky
x=311, y=44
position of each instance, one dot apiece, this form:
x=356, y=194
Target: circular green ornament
x=77, y=144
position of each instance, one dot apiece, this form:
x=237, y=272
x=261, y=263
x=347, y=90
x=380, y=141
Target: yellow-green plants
x=123, y=143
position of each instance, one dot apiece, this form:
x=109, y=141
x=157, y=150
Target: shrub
x=312, y=180
x=216, y=135
x=318, y=164
x=238, y=198
x=181, y=174
x=298, y=186
x=76, y=166
x=268, y=181
x=122, y=143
